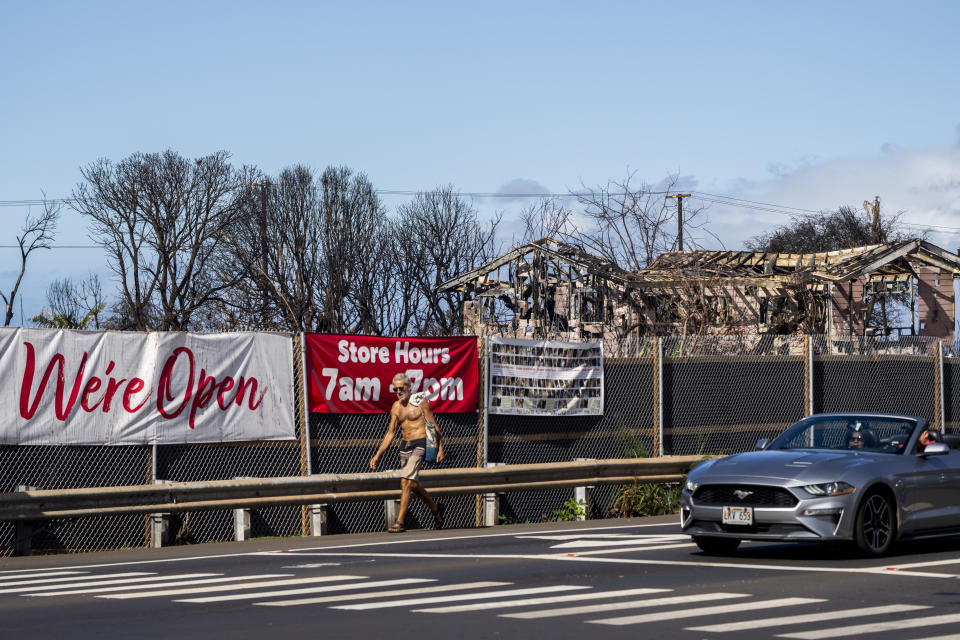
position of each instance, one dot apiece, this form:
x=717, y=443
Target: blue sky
x=809, y=105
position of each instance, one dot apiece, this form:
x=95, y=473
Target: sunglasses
x=857, y=438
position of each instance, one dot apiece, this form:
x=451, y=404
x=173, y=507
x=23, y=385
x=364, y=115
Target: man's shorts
x=411, y=458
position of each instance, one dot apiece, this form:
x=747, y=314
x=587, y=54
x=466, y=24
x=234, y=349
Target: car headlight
x=692, y=485
x=829, y=489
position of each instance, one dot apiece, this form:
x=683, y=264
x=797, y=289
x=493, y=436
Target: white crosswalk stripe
x=822, y=616
x=37, y=581
x=87, y=581
x=677, y=614
x=460, y=597
x=296, y=592
x=229, y=587
x=360, y=593
x=18, y=578
x=874, y=627
x=165, y=582
x=505, y=604
x=617, y=606
x=382, y=594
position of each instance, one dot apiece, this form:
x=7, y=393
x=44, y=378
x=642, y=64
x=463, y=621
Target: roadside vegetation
x=639, y=500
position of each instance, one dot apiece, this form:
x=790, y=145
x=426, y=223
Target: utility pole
x=262, y=224
x=873, y=210
x=877, y=233
x=679, y=197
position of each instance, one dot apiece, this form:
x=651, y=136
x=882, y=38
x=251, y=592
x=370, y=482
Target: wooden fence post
x=483, y=427
x=306, y=519
x=939, y=417
x=657, y=397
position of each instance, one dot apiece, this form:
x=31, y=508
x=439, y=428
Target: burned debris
x=550, y=289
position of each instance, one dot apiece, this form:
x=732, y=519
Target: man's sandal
x=438, y=516
x=396, y=527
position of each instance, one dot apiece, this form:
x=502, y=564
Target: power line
x=56, y=246
x=29, y=203
x=753, y=202
x=730, y=201
x=797, y=211
x=382, y=192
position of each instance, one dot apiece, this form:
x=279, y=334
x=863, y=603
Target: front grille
x=760, y=496
x=773, y=528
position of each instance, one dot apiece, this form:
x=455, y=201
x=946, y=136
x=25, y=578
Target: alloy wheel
x=876, y=522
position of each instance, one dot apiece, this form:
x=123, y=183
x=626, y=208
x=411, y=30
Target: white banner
x=89, y=388
x=545, y=377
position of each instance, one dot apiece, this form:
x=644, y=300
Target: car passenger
x=861, y=438
x=926, y=437
x=856, y=440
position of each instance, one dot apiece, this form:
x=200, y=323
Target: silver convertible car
x=869, y=478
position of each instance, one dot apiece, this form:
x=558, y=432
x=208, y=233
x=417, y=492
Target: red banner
x=354, y=374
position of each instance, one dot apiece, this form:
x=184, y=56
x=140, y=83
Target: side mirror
x=935, y=449
x=763, y=443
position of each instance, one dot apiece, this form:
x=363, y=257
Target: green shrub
x=571, y=510
x=646, y=500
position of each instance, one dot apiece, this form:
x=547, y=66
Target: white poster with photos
x=545, y=377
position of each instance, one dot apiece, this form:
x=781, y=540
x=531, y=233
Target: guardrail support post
x=241, y=524
x=159, y=522
x=491, y=503
x=23, y=545
x=391, y=508
x=582, y=494
x=491, y=509
x=319, y=517
x=159, y=530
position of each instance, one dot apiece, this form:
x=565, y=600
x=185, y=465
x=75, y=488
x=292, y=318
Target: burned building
x=545, y=289
x=549, y=289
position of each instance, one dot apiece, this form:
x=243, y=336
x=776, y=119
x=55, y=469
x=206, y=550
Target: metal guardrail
x=41, y=504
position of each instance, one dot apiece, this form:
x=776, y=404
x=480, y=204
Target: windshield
x=848, y=433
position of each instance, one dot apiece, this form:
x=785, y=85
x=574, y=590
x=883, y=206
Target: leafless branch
x=38, y=233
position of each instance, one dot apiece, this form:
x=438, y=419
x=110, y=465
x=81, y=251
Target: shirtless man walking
x=412, y=414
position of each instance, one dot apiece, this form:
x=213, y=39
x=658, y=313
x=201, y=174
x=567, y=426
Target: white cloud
x=922, y=183
x=520, y=187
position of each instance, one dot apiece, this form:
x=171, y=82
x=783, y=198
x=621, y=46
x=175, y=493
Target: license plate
x=738, y=515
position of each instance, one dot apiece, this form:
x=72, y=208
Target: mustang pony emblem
x=741, y=494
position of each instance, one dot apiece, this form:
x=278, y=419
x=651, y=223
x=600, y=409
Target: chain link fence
x=625, y=430
x=722, y=393
x=673, y=395
x=345, y=442
x=69, y=467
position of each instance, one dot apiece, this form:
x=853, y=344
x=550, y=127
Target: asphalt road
x=612, y=579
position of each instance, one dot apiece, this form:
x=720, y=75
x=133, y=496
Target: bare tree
x=73, y=306
x=440, y=237
x=163, y=220
x=632, y=225
x=843, y=229
x=38, y=233
x=385, y=298
x=828, y=231
x=275, y=244
x=352, y=224
x=546, y=218
x=320, y=255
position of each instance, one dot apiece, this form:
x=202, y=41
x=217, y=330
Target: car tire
x=717, y=546
x=875, y=529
